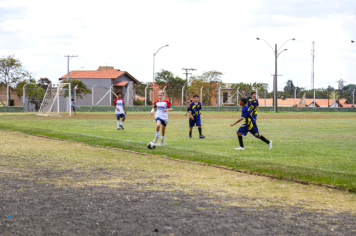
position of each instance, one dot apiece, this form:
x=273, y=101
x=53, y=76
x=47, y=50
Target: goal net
x=56, y=101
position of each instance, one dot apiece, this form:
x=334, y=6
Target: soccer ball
x=151, y=145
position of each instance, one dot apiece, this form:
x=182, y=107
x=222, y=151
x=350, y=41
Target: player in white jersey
x=163, y=106
x=120, y=111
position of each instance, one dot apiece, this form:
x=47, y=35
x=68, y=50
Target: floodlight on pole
x=153, y=87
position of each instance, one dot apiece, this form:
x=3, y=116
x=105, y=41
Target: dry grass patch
x=77, y=164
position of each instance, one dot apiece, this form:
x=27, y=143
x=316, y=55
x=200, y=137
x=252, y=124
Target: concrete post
x=183, y=95
x=201, y=95
x=92, y=95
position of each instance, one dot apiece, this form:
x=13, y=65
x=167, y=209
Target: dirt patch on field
x=50, y=187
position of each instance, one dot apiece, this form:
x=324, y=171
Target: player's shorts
x=118, y=116
x=164, y=123
x=244, y=130
x=196, y=121
x=73, y=108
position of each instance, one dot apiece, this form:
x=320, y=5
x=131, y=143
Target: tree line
x=13, y=74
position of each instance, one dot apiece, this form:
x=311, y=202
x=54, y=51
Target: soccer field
x=312, y=147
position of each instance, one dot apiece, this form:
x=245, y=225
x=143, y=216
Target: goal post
x=56, y=101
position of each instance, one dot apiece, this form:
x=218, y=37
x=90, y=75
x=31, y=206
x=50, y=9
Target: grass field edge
x=271, y=170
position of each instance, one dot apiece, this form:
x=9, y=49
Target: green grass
x=320, y=150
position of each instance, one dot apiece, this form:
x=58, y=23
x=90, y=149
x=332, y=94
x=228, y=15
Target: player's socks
x=199, y=131
x=240, y=141
x=118, y=124
x=162, y=139
x=157, y=134
x=264, y=139
x=190, y=133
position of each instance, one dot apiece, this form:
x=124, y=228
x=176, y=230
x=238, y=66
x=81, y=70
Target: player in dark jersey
x=252, y=104
x=248, y=125
x=194, y=113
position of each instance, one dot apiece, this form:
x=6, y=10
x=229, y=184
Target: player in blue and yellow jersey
x=194, y=113
x=248, y=125
x=252, y=104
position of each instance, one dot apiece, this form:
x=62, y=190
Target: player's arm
x=169, y=109
x=190, y=112
x=123, y=105
x=114, y=104
x=153, y=108
x=169, y=105
x=237, y=121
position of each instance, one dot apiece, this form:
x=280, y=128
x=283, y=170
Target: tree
x=82, y=88
x=174, y=84
x=34, y=92
x=44, y=83
x=210, y=81
x=12, y=72
x=140, y=88
x=289, y=88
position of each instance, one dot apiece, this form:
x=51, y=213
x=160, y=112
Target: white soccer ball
x=151, y=145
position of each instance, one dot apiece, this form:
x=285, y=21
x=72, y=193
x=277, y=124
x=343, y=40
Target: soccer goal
x=56, y=101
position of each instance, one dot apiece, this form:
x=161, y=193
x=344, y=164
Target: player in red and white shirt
x=120, y=111
x=163, y=106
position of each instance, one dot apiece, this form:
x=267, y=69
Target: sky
x=202, y=34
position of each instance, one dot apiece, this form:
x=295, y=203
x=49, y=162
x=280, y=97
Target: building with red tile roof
x=101, y=81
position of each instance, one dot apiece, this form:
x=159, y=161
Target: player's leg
x=164, y=124
x=122, y=120
x=240, y=132
x=239, y=136
x=269, y=142
x=191, y=125
x=118, y=121
x=198, y=123
x=158, y=125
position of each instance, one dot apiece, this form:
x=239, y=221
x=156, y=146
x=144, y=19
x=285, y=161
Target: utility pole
x=187, y=73
x=69, y=57
x=312, y=73
x=187, y=81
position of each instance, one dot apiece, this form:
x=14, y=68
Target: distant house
x=14, y=99
x=101, y=80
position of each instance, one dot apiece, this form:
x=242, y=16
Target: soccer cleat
x=270, y=145
x=190, y=136
x=162, y=142
x=201, y=136
x=155, y=140
x=122, y=127
x=240, y=148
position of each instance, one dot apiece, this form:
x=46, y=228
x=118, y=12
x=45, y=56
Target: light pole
x=353, y=94
x=153, y=88
x=277, y=52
